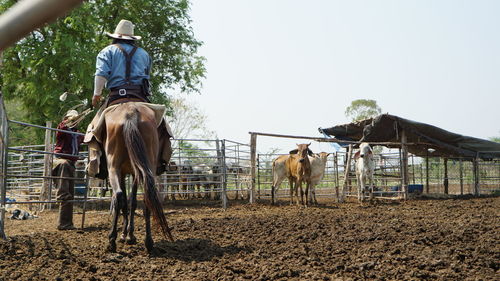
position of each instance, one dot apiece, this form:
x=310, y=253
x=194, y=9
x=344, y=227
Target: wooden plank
x=333, y=139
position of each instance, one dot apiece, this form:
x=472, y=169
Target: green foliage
x=60, y=57
x=495, y=139
x=362, y=109
x=191, y=150
x=21, y=135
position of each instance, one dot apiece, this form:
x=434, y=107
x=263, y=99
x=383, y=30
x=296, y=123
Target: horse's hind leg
x=149, y=239
x=116, y=205
x=124, y=209
x=130, y=239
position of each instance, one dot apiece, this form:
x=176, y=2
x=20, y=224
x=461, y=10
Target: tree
x=362, y=109
x=495, y=139
x=188, y=121
x=60, y=57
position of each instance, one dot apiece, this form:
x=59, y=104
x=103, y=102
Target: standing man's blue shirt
x=110, y=64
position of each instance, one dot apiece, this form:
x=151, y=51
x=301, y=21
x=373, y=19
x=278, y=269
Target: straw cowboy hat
x=71, y=114
x=124, y=30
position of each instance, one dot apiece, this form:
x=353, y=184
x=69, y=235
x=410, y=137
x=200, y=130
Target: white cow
x=365, y=168
x=318, y=164
x=279, y=174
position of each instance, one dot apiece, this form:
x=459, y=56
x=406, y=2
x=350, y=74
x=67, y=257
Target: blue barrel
x=415, y=188
x=80, y=189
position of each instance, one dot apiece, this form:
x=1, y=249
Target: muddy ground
x=419, y=239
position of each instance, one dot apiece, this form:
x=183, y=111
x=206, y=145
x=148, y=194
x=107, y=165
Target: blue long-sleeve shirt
x=110, y=64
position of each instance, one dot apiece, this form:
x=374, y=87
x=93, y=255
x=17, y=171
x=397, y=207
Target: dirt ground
x=454, y=239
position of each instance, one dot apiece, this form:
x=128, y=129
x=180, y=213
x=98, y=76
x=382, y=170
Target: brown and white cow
x=298, y=169
x=318, y=164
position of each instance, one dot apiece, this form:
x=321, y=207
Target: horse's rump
x=131, y=146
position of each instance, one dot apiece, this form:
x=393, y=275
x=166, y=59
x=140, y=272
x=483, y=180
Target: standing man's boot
x=66, y=216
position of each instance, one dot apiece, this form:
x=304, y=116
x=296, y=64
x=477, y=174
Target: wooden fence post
x=47, y=167
x=347, y=168
x=253, y=162
x=4, y=139
x=224, y=175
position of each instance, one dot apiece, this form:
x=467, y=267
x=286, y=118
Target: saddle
x=96, y=129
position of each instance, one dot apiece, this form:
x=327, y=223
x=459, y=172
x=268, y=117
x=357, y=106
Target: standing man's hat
x=124, y=30
x=71, y=114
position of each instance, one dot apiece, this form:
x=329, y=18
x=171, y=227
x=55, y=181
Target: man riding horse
x=124, y=69
x=132, y=133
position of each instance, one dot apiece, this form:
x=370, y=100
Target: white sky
x=289, y=67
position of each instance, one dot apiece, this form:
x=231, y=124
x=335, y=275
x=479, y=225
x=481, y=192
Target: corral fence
x=395, y=176
x=216, y=169
x=224, y=169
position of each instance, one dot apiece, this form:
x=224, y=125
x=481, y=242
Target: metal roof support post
x=336, y=171
x=475, y=164
x=258, y=177
x=446, y=182
x=461, y=177
x=253, y=162
x=427, y=173
x=404, y=165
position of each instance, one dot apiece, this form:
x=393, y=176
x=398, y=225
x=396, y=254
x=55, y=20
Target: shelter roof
x=423, y=139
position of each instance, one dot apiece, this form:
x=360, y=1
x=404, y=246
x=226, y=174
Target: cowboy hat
x=71, y=114
x=124, y=30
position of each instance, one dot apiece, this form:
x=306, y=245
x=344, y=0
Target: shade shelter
x=418, y=138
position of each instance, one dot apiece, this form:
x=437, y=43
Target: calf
x=298, y=170
x=365, y=167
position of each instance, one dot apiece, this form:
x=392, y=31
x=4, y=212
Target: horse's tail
x=142, y=171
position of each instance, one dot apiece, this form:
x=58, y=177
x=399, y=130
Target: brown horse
x=131, y=145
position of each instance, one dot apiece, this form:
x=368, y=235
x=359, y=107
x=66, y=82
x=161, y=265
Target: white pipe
x=27, y=15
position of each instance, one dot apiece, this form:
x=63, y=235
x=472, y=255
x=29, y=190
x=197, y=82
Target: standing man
x=123, y=68
x=64, y=167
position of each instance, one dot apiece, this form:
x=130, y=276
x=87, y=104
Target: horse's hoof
x=149, y=245
x=112, y=247
x=122, y=238
x=131, y=240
